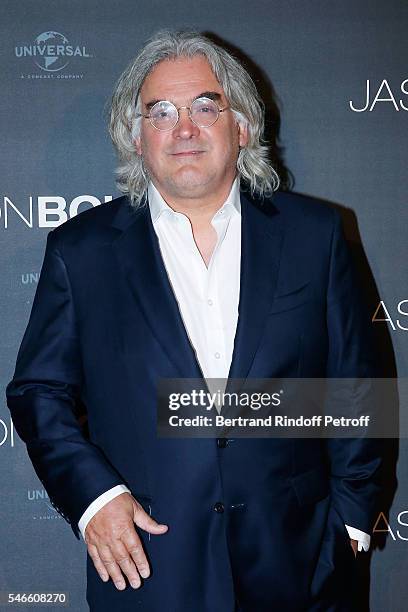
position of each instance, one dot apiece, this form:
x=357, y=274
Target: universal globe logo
x=51, y=51
x=53, y=48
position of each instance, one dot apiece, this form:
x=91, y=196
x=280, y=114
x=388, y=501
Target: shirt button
x=217, y=355
x=219, y=507
x=210, y=302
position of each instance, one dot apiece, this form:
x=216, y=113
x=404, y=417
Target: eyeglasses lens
x=163, y=116
x=204, y=112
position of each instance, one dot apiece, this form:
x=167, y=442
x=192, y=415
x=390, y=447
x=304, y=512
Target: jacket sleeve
x=45, y=394
x=355, y=462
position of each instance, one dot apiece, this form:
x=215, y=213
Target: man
x=187, y=276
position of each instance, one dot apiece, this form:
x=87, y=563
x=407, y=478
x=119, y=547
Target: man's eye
x=206, y=110
x=160, y=114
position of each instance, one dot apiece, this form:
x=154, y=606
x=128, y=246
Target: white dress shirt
x=207, y=297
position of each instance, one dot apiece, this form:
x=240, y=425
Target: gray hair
x=253, y=163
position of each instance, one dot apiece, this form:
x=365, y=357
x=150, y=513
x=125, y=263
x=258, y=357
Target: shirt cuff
x=99, y=503
x=361, y=536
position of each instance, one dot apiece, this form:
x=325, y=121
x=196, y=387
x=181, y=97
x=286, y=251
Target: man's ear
x=243, y=134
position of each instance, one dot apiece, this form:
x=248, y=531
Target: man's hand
x=354, y=546
x=113, y=543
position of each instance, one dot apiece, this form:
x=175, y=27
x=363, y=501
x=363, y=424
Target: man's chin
x=191, y=185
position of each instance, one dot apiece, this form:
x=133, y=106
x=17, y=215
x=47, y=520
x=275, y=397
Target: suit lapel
x=261, y=244
x=138, y=254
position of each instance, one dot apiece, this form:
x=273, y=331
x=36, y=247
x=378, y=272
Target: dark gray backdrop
x=319, y=56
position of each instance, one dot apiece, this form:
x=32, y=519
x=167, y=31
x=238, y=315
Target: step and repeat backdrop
x=334, y=77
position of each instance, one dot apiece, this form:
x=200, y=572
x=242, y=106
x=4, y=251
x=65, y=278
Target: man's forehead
x=180, y=78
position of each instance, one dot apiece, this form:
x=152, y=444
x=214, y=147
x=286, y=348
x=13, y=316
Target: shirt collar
x=158, y=206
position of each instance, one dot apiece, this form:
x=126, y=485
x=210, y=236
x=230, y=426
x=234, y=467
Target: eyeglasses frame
x=220, y=110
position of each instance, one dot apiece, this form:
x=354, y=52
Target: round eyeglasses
x=203, y=112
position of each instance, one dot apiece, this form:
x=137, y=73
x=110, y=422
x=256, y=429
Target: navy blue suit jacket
x=105, y=327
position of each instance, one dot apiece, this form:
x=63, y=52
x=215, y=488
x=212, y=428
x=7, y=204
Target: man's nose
x=185, y=128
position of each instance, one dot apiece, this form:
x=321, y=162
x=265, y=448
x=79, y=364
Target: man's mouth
x=187, y=153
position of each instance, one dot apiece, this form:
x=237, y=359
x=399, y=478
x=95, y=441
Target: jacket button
x=219, y=507
x=222, y=442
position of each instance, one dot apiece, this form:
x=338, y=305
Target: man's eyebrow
x=212, y=95
x=150, y=104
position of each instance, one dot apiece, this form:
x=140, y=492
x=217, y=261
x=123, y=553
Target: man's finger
x=134, y=546
x=99, y=566
x=125, y=562
x=146, y=522
x=112, y=567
